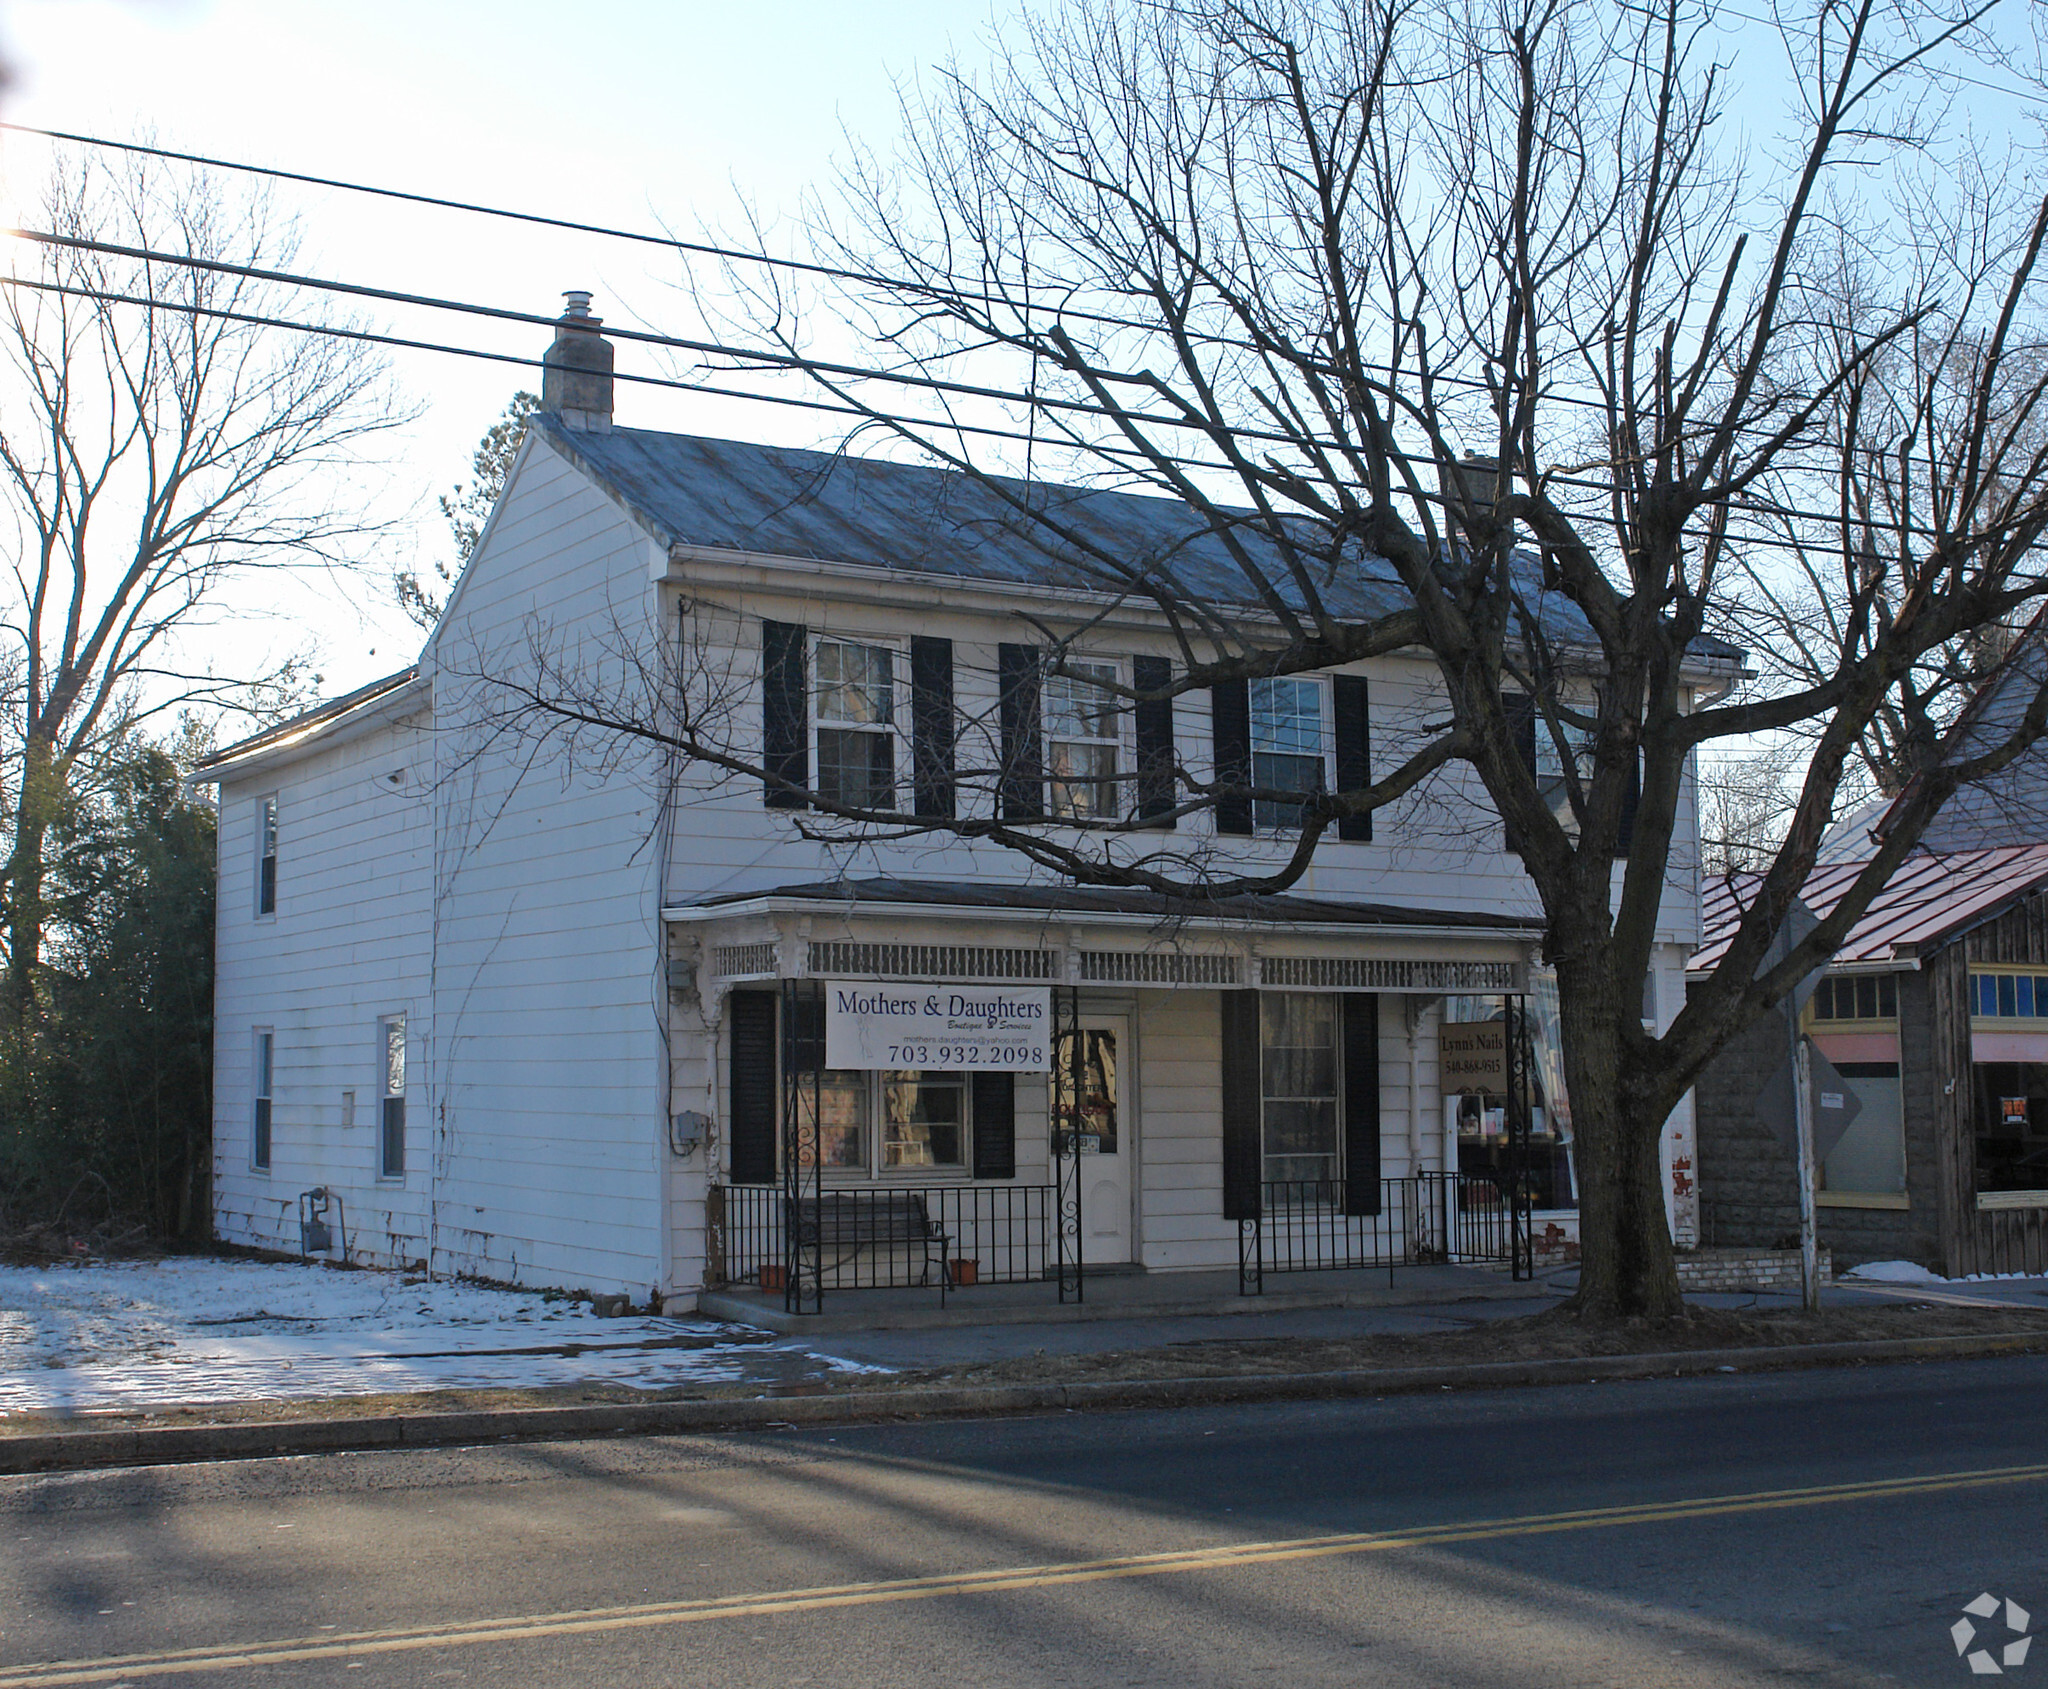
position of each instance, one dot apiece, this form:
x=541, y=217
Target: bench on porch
x=850, y=1221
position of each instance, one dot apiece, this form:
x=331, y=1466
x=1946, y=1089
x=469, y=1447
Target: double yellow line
x=465, y=1633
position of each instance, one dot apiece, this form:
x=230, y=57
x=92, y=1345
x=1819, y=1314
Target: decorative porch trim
x=1371, y=973
x=744, y=961
x=839, y=959
x=1158, y=967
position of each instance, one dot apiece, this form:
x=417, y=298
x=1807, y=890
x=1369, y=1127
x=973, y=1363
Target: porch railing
x=995, y=1234
x=1424, y=1219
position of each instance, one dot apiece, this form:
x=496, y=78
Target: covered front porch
x=1228, y=1100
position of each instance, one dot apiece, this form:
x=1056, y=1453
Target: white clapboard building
x=559, y=1008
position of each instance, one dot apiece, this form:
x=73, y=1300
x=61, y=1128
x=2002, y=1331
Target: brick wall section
x=1749, y=1188
x=1745, y=1269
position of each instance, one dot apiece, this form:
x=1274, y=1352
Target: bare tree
x=1286, y=261
x=1746, y=799
x=467, y=508
x=156, y=454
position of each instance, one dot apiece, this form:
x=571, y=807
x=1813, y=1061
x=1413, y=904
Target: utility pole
x=1802, y=1113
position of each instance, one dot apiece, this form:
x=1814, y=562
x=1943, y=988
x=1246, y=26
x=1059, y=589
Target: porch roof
x=963, y=896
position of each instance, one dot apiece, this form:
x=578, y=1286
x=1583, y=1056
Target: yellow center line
x=466, y=1632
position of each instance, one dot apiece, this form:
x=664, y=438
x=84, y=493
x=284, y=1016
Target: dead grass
x=1550, y=1335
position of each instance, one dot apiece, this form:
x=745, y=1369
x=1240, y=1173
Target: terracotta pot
x=774, y=1278
x=965, y=1272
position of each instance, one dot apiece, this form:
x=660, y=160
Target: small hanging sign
x=938, y=1028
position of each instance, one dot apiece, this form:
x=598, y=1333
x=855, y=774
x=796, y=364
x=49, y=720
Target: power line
x=790, y=363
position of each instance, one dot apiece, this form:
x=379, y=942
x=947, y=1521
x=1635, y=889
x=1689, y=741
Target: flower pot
x=774, y=1278
x=965, y=1272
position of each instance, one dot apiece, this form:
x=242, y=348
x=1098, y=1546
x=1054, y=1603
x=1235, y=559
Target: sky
x=640, y=113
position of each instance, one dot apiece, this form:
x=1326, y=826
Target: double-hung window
x=1288, y=747
x=391, y=1124
x=259, y=1125
x=1299, y=1076
x=266, y=856
x=1083, y=728
x=857, y=731
x=923, y=1116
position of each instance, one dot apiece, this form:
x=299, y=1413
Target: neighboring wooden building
x=534, y=1014
x=1935, y=1011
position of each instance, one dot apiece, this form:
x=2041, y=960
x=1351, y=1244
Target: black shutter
x=785, y=714
x=995, y=1126
x=931, y=726
x=750, y=1113
x=1153, y=720
x=803, y=1039
x=1354, y=751
x=1241, y=1158
x=1022, y=784
x=1625, y=834
x=1361, y=1102
x=1230, y=714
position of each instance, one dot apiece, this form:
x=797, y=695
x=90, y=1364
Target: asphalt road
x=1817, y=1528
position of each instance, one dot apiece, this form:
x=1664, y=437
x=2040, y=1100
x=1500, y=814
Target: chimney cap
x=579, y=302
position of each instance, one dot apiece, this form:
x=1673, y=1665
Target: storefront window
x=1547, y=1169
x=2012, y=1126
x=1870, y=1158
x=923, y=1116
x=1298, y=1068
x=842, y=1117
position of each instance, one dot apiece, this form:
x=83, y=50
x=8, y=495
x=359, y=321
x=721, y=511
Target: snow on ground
x=1893, y=1272
x=194, y=1331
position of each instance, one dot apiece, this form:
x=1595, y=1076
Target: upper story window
x=1287, y=745
x=857, y=731
x=1083, y=731
x=266, y=856
x=2009, y=996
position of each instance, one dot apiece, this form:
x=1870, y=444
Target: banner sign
x=938, y=1028
x=1472, y=1056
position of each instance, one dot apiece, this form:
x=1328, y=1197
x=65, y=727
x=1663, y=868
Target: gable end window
x=266, y=856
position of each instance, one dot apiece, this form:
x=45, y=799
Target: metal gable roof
x=1927, y=901
x=738, y=496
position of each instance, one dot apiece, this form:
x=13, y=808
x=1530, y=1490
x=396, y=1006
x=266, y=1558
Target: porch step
x=1121, y=1296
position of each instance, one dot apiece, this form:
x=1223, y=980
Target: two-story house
x=552, y=1006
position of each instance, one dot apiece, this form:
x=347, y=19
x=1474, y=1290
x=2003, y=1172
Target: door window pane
x=1093, y=1120
x=1298, y=1068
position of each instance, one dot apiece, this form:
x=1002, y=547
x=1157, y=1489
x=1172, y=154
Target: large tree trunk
x=1626, y=1268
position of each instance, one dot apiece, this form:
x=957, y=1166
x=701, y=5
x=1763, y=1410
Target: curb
x=172, y=1444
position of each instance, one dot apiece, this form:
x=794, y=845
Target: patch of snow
x=192, y=1331
x=1894, y=1272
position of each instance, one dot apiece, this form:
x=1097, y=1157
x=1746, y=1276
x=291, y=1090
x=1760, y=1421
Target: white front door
x=1103, y=1143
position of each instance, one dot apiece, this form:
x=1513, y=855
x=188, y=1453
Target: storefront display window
x=841, y=1104
x=2012, y=1126
x=923, y=1119
x=1481, y=1119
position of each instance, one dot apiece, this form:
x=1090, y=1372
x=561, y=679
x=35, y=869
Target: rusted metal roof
x=1929, y=900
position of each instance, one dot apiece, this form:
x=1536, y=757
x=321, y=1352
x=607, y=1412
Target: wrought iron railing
x=1427, y=1218
x=993, y=1234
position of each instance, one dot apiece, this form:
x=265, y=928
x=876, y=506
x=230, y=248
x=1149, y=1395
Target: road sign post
x=1809, y=1177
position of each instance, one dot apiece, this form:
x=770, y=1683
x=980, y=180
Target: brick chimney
x=576, y=373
